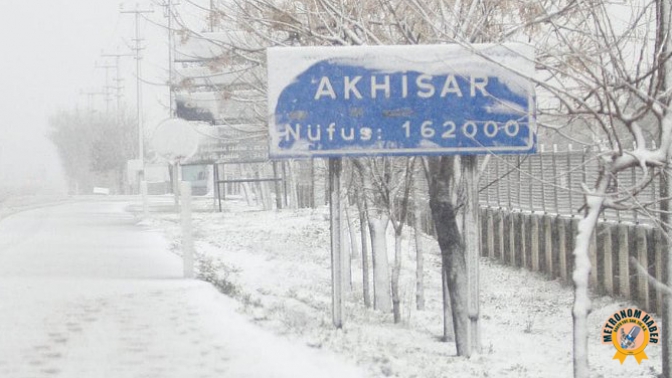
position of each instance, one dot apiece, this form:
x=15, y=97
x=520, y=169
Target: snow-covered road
x=86, y=292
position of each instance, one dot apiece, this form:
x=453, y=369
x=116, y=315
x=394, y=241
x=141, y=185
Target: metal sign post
x=187, y=237
x=472, y=248
x=177, y=179
x=338, y=305
x=145, y=199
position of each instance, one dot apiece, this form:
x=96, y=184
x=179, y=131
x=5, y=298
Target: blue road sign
x=401, y=100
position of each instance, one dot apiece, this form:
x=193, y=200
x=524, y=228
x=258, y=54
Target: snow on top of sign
x=176, y=139
x=511, y=63
x=318, y=87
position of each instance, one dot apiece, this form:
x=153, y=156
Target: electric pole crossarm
x=106, y=67
x=117, y=64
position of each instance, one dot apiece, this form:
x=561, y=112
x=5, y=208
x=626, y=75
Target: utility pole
x=213, y=11
x=118, y=80
x=138, y=56
x=168, y=12
x=106, y=67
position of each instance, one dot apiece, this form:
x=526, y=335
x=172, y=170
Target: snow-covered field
x=276, y=264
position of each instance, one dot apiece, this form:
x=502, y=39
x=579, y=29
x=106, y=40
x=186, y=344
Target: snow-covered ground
x=85, y=292
x=275, y=264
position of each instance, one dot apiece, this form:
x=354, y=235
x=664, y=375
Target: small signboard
x=175, y=140
x=401, y=100
x=229, y=144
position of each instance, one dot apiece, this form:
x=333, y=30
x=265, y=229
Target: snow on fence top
x=400, y=100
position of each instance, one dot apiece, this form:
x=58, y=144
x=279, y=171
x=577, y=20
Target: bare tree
x=596, y=73
x=361, y=208
x=393, y=183
x=378, y=221
x=93, y=145
x=419, y=249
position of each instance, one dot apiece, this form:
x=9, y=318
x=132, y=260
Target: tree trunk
x=419, y=257
x=444, y=182
x=291, y=185
x=366, y=291
x=346, y=249
x=581, y=276
x=396, y=272
x=246, y=192
x=353, y=234
x=381, y=277
x=448, y=333
x=336, y=227
x=252, y=188
x=454, y=267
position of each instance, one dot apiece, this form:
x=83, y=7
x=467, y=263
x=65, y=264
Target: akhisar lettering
x=386, y=86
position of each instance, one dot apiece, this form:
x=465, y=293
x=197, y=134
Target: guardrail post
x=569, y=179
x=512, y=236
x=643, y=259
x=543, y=179
x=562, y=246
x=534, y=242
x=490, y=233
x=525, y=240
x=623, y=262
x=659, y=248
x=500, y=235
x=607, y=258
x=548, y=244
x=554, y=158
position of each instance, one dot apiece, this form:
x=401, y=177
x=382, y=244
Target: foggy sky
x=50, y=49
